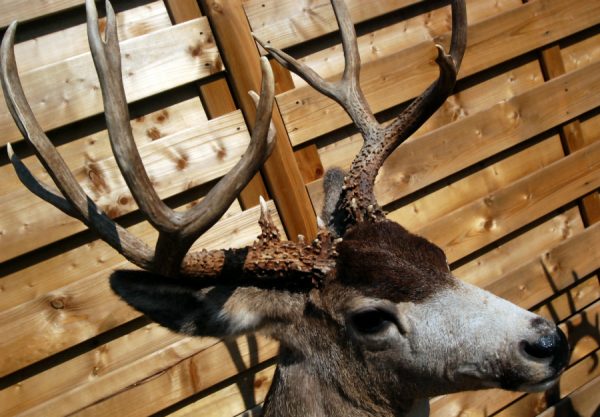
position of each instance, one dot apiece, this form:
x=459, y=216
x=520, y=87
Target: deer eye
x=372, y=320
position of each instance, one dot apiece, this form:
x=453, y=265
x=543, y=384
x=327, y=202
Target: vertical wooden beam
x=571, y=133
x=307, y=157
x=217, y=98
x=241, y=57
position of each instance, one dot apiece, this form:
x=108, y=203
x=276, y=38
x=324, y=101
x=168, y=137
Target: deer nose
x=553, y=346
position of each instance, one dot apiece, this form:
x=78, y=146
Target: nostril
x=553, y=346
x=543, y=348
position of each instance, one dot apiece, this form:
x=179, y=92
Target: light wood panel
x=439, y=203
x=83, y=152
x=26, y=10
x=175, y=163
x=68, y=91
x=511, y=255
x=581, y=54
x=281, y=173
x=489, y=218
x=230, y=400
x=552, y=271
x=465, y=103
x=73, y=41
x=389, y=40
x=282, y=23
x=453, y=147
x=584, y=402
x=73, y=312
x=307, y=114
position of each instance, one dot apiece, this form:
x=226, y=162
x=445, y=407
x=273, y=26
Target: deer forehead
x=383, y=260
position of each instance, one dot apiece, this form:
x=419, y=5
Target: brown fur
x=386, y=261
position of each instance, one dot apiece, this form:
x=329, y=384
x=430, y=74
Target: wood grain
x=308, y=115
x=522, y=249
x=281, y=174
x=283, y=23
x=68, y=91
x=67, y=311
x=487, y=219
x=27, y=10
x=456, y=146
x=217, y=99
x=582, y=402
x=455, y=195
x=73, y=41
x=175, y=163
x=571, y=133
x=389, y=40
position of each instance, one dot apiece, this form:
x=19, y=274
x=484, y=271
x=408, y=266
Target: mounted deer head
x=369, y=316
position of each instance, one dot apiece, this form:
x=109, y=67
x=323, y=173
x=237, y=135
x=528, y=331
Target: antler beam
x=177, y=231
x=357, y=201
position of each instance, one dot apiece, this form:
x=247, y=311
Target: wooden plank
x=442, y=202
x=183, y=10
x=581, y=54
x=571, y=133
x=307, y=114
x=218, y=100
x=310, y=164
x=583, y=402
x=73, y=41
x=453, y=147
x=186, y=378
x=27, y=10
x=77, y=307
x=553, y=271
x=175, y=163
x=229, y=401
x=329, y=63
x=36, y=280
x=456, y=146
x=465, y=103
x=572, y=300
x=179, y=55
x=186, y=366
x=283, y=23
x=280, y=171
x=489, y=218
x=506, y=258
x=96, y=147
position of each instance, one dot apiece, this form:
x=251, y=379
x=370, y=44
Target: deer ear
x=214, y=311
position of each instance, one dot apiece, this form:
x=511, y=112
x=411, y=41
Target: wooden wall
x=504, y=177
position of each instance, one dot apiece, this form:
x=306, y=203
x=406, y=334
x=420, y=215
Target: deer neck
x=300, y=389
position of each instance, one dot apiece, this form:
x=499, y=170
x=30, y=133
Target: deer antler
x=268, y=258
x=357, y=201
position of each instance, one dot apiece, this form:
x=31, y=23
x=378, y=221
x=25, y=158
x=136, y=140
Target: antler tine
x=357, y=202
x=73, y=201
x=202, y=216
x=107, y=59
x=37, y=187
x=434, y=96
x=346, y=92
